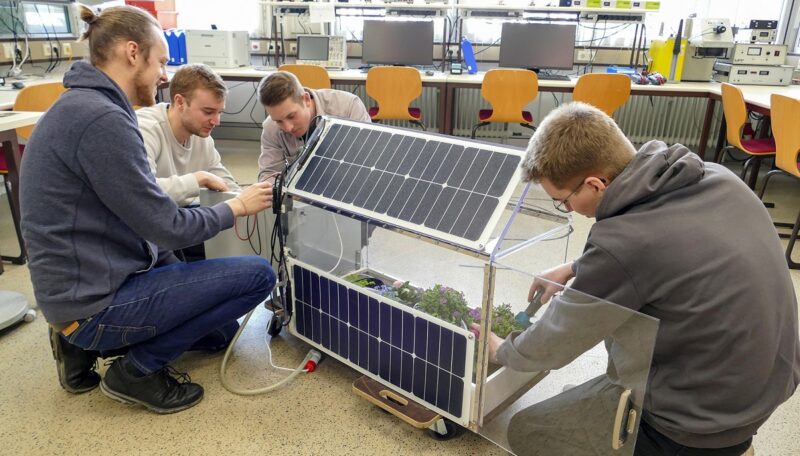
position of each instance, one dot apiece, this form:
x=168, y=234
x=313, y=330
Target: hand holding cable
x=252, y=200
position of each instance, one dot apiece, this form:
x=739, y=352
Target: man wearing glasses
x=680, y=240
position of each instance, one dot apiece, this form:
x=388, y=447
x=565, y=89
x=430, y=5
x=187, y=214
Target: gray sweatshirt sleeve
x=358, y=111
x=574, y=321
x=270, y=162
x=127, y=187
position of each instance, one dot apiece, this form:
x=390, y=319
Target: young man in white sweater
x=177, y=136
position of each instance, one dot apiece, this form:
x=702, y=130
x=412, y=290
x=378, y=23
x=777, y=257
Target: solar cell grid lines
x=390, y=341
x=447, y=188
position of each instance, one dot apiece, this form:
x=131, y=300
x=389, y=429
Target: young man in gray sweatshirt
x=291, y=109
x=677, y=239
x=99, y=230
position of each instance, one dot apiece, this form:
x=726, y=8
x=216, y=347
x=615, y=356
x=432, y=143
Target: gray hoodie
x=92, y=213
x=688, y=243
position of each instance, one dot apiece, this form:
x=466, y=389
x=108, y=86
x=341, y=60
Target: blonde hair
x=279, y=86
x=573, y=140
x=114, y=24
x=193, y=76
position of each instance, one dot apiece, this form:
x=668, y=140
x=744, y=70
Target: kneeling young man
x=683, y=241
x=100, y=231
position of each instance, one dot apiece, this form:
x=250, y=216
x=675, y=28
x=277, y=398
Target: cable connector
x=313, y=359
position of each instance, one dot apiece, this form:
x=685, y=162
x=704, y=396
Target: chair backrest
x=37, y=98
x=605, y=91
x=784, y=113
x=311, y=76
x=393, y=88
x=508, y=90
x=735, y=113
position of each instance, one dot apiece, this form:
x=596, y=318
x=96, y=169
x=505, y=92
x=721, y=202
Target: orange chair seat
x=416, y=113
x=3, y=164
x=484, y=114
x=759, y=146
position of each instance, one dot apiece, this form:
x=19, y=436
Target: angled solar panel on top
x=450, y=187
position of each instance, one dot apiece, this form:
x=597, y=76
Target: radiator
x=642, y=118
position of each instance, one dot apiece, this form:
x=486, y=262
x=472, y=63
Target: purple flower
x=443, y=301
x=475, y=313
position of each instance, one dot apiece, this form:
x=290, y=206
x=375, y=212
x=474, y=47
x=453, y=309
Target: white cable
x=269, y=358
x=312, y=355
x=341, y=244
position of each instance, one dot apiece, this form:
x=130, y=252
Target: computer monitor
x=312, y=48
x=537, y=46
x=398, y=42
x=45, y=19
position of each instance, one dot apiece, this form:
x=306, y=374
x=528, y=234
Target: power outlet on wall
x=66, y=50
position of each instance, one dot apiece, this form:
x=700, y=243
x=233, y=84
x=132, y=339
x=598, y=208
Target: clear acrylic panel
x=579, y=374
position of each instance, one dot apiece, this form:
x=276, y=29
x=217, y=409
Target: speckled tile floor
x=315, y=414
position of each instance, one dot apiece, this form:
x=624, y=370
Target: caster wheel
x=274, y=326
x=30, y=315
x=453, y=431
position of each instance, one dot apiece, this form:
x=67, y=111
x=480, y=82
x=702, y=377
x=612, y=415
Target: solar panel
x=438, y=186
x=423, y=357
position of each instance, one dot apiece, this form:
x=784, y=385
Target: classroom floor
x=315, y=414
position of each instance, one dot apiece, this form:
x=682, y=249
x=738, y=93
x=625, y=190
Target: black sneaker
x=164, y=391
x=76, y=366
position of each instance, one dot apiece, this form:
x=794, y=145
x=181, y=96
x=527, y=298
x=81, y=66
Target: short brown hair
x=193, y=76
x=279, y=86
x=114, y=24
x=573, y=140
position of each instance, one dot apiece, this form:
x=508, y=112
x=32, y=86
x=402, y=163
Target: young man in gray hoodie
x=677, y=239
x=99, y=231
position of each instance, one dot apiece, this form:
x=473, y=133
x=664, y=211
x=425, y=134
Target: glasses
x=561, y=205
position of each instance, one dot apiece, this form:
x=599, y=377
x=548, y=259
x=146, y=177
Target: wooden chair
x=394, y=88
x=785, y=113
x=735, y=110
x=508, y=91
x=34, y=98
x=311, y=76
x=607, y=92
x=37, y=98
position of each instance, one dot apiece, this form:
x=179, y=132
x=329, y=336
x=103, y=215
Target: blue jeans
x=161, y=313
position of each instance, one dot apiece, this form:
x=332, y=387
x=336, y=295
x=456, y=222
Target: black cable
x=246, y=103
x=51, y=64
x=487, y=47
x=257, y=123
x=258, y=233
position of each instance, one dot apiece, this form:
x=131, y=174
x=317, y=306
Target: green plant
x=360, y=280
x=503, y=320
x=445, y=304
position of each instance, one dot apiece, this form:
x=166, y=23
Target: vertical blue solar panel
x=409, y=352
